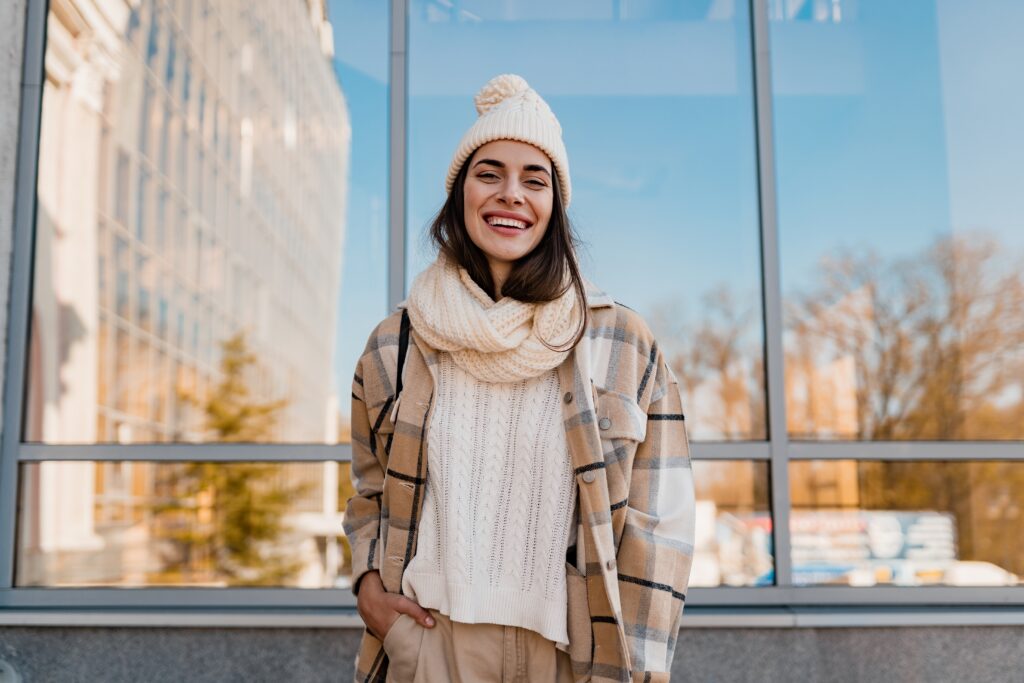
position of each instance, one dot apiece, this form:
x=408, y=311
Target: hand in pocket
x=380, y=609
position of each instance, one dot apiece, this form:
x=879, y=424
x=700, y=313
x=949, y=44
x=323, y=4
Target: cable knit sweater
x=499, y=504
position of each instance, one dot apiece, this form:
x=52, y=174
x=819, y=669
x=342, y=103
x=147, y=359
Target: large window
x=866, y=522
x=813, y=203
x=208, y=524
x=209, y=258
x=901, y=223
x=225, y=219
x=901, y=240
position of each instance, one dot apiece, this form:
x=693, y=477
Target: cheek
x=544, y=216
x=539, y=234
x=471, y=204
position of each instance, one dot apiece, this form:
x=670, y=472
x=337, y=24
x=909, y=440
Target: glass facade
x=734, y=524
x=813, y=203
x=901, y=223
x=202, y=524
x=865, y=522
x=197, y=195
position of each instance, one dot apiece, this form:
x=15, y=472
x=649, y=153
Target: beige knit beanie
x=510, y=109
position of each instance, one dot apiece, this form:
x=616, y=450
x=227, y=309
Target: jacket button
x=589, y=476
x=604, y=423
x=568, y=397
x=610, y=564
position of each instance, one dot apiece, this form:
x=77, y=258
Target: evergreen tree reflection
x=223, y=522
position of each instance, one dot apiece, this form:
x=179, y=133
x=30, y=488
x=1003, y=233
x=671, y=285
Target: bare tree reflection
x=719, y=363
x=926, y=347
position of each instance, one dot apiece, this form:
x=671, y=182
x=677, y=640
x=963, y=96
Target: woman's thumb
x=411, y=608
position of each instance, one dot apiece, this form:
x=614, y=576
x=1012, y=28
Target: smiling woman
x=506, y=356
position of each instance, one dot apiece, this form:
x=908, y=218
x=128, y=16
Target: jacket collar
x=596, y=298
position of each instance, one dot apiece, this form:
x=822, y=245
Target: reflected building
x=193, y=171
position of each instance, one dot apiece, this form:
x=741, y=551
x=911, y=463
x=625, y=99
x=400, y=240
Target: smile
x=496, y=221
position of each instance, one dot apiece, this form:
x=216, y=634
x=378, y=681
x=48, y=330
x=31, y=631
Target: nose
x=511, y=192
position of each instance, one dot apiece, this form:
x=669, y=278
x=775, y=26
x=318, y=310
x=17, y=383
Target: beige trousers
x=452, y=652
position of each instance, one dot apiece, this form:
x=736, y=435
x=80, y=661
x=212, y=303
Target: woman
x=552, y=538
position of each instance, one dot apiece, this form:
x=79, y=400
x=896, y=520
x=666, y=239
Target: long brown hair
x=537, y=277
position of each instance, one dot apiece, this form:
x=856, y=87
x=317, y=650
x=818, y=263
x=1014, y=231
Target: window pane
x=215, y=150
x=655, y=101
x=135, y=524
x=734, y=524
x=898, y=147
x=862, y=523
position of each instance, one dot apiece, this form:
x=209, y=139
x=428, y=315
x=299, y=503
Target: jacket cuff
x=365, y=558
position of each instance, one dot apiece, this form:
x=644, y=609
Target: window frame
x=777, y=450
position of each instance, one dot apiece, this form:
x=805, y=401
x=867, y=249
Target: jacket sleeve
x=363, y=511
x=656, y=550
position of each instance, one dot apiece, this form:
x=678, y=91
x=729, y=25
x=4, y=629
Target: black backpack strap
x=403, y=346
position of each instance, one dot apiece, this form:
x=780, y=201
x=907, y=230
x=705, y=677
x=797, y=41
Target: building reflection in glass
x=864, y=523
x=734, y=524
x=193, y=171
x=134, y=524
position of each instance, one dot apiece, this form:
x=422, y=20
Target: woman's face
x=508, y=200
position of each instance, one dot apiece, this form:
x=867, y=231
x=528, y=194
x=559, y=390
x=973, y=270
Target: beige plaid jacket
x=628, y=445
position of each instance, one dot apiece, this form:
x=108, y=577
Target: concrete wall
x=832, y=655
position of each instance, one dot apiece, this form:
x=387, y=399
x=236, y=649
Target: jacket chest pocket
x=619, y=419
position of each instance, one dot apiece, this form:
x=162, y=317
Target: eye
x=487, y=175
x=537, y=182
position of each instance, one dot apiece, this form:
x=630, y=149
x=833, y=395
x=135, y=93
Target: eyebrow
x=500, y=164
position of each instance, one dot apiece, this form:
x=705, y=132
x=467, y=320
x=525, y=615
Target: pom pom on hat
x=499, y=89
x=509, y=109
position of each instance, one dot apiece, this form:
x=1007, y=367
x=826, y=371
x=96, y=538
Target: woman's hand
x=380, y=609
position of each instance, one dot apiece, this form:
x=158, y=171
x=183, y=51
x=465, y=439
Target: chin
x=506, y=255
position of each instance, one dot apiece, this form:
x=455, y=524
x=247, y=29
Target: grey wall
x=833, y=655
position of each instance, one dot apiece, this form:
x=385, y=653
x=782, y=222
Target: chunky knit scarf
x=493, y=341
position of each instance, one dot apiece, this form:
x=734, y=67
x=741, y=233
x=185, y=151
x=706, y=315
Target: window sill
x=695, y=617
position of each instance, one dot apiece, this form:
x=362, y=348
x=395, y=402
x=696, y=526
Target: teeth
x=509, y=222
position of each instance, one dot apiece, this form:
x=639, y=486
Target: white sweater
x=498, y=506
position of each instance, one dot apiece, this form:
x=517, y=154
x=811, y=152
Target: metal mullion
x=19, y=307
x=723, y=450
x=306, y=617
x=849, y=617
x=183, y=598
x=270, y=598
x=398, y=100
x=177, y=452
x=880, y=596
x=907, y=450
x=771, y=292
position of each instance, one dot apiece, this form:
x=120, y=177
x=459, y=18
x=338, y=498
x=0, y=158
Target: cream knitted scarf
x=493, y=341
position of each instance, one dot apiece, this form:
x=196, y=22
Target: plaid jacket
x=628, y=444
